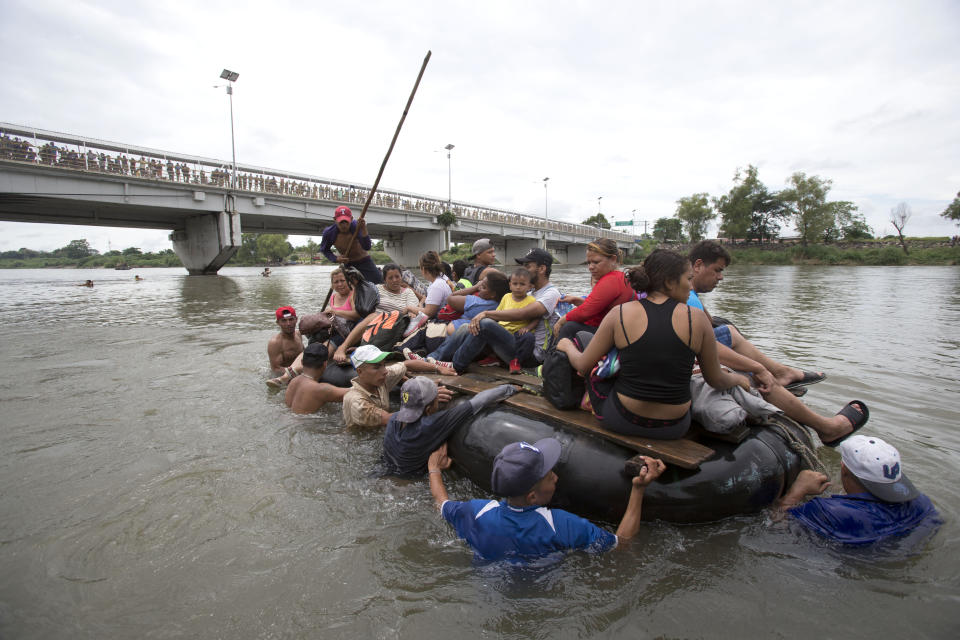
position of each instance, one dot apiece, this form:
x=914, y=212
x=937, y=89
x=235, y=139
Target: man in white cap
x=366, y=404
x=880, y=501
x=520, y=527
x=420, y=426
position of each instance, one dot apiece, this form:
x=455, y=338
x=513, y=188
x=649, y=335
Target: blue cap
x=520, y=465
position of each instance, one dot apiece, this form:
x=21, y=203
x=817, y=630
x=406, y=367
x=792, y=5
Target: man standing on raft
x=352, y=243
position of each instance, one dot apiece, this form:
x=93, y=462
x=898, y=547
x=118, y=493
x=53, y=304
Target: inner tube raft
x=741, y=478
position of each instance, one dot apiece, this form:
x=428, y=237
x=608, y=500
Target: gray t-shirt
x=548, y=296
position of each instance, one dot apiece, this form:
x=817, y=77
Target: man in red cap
x=352, y=253
x=284, y=347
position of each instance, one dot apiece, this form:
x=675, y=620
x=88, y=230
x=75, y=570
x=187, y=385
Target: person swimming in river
x=88, y=283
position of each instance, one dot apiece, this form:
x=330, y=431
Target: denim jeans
x=449, y=346
x=491, y=334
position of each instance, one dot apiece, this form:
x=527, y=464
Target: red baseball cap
x=284, y=312
x=342, y=212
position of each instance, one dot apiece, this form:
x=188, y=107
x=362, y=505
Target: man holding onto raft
x=352, y=243
x=708, y=259
x=420, y=426
x=283, y=348
x=366, y=403
x=520, y=527
x=306, y=394
x=880, y=501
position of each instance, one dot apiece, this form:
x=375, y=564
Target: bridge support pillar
x=207, y=241
x=407, y=250
x=516, y=248
x=571, y=254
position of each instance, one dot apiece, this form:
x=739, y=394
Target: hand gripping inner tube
x=739, y=479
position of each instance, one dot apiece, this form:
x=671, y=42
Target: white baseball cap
x=876, y=465
x=369, y=353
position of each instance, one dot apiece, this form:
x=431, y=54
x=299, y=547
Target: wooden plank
x=736, y=435
x=501, y=373
x=682, y=452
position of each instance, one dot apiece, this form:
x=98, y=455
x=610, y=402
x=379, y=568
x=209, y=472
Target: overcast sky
x=641, y=103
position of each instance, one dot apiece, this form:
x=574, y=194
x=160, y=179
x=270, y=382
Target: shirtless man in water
x=306, y=394
x=352, y=253
x=284, y=347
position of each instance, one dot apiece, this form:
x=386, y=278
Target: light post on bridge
x=449, y=147
x=231, y=77
x=446, y=230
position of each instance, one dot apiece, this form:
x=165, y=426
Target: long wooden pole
x=383, y=165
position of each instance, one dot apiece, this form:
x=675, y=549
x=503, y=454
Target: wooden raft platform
x=684, y=453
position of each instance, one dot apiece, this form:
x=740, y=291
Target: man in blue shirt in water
x=880, y=501
x=520, y=527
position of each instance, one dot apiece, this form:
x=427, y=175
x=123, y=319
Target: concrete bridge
x=66, y=179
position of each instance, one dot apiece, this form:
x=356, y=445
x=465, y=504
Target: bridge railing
x=48, y=148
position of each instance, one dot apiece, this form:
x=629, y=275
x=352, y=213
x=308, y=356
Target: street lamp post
x=545, y=216
x=446, y=231
x=599, y=209
x=449, y=147
x=231, y=77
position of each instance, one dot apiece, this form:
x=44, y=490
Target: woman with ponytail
x=658, y=338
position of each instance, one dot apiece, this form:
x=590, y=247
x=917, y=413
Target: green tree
x=668, y=229
x=77, y=249
x=855, y=228
x=248, y=247
x=132, y=251
x=749, y=210
x=952, y=212
x=597, y=220
x=272, y=247
x=848, y=224
x=807, y=203
x=695, y=213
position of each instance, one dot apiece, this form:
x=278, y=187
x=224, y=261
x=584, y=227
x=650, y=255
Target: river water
x=151, y=486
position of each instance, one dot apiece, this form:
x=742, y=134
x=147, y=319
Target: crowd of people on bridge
x=144, y=165
x=649, y=318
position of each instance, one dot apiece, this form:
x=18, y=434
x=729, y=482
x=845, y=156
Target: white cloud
x=642, y=103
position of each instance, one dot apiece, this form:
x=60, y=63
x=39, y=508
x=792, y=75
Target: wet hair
x=606, y=247
x=521, y=272
x=390, y=266
x=498, y=283
x=315, y=355
x=459, y=268
x=658, y=269
x=709, y=251
x=431, y=263
x=446, y=268
x=334, y=273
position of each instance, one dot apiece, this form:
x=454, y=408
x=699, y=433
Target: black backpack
x=562, y=385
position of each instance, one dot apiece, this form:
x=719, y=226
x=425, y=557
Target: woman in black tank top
x=658, y=338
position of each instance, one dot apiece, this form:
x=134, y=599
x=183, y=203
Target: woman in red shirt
x=610, y=289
